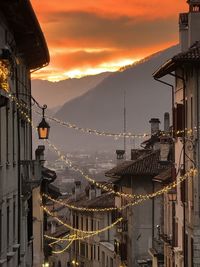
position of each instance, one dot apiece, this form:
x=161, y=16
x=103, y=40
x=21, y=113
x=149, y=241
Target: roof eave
x=28, y=35
x=165, y=69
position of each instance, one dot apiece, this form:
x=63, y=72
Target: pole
x=125, y=122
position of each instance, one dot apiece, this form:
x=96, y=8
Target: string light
x=104, y=187
x=98, y=132
x=74, y=229
x=93, y=131
x=79, y=208
x=165, y=189
x=63, y=250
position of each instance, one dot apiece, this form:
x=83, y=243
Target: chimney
x=77, y=188
x=166, y=122
x=39, y=153
x=164, y=149
x=120, y=156
x=154, y=125
x=183, y=31
x=92, y=192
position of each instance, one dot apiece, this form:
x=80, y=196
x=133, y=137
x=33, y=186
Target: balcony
x=31, y=174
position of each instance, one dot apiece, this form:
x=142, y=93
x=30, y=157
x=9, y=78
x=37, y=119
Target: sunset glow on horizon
x=89, y=37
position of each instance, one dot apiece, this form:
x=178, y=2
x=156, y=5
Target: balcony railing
x=31, y=174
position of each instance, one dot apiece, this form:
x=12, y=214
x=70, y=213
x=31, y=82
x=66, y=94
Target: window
x=13, y=133
x=191, y=111
x=0, y=232
x=86, y=251
x=14, y=220
x=94, y=252
x=192, y=251
x=178, y=116
x=111, y=262
x=7, y=135
x=91, y=252
x=8, y=226
x=87, y=224
x=73, y=219
x=92, y=224
x=98, y=253
x=81, y=223
x=77, y=224
x=0, y=136
x=82, y=249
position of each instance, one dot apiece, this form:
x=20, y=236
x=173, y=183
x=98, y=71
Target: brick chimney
x=154, y=125
x=183, y=31
x=165, y=143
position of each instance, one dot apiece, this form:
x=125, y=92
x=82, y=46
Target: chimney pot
x=154, y=125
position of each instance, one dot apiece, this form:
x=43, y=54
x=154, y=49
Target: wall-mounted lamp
x=43, y=127
x=172, y=195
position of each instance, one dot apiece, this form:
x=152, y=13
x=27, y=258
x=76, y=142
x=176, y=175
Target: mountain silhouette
x=102, y=107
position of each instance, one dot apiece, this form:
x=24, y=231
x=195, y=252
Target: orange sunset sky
x=91, y=36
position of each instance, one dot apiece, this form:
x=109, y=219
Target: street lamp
x=43, y=127
x=172, y=195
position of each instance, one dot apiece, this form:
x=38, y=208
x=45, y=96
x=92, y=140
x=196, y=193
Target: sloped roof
x=164, y=176
x=192, y=55
x=29, y=39
x=106, y=200
x=148, y=165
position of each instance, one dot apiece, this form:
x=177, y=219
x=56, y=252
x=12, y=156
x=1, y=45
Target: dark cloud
x=82, y=29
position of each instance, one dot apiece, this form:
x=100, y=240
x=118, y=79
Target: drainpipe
x=172, y=108
x=172, y=87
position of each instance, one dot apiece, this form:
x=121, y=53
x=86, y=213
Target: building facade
x=22, y=49
x=98, y=250
x=139, y=235
x=185, y=68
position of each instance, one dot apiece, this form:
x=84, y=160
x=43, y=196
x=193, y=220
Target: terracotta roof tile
x=149, y=164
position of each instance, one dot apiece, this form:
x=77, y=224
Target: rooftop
x=28, y=36
x=106, y=200
x=147, y=164
x=191, y=56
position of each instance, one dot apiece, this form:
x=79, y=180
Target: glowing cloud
x=88, y=37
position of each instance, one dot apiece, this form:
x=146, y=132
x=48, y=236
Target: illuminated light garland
x=79, y=208
x=55, y=242
x=93, y=131
x=63, y=250
x=169, y=187
x=98, y=132
x=74, y=229
x=166, y=189
x=121, y=194
x=69, y=163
